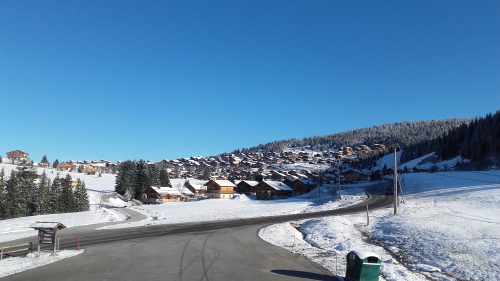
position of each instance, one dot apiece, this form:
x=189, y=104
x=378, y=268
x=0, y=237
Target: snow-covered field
x=448, y=229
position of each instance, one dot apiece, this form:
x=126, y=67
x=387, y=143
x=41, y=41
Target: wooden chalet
x=272, y=190
x=17, y=155
x=196, y=189
x=301, y=186
x=353, y=176
x=220, y=189
x=246, y=187
x=417, y=170
x=89, y=169
x=66, y=167
x=158, y=195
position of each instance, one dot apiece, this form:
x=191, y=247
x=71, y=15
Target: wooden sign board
x=46, y=236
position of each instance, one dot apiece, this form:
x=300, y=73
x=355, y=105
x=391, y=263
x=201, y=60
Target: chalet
x=353, y=176
x=197, y=189
x=158, y=195
x=277, y=176
x=346, y=150
x=66, y=167
x=417, y=170
x=302, y=186
x=271, y=190
x=17, y=155
x=246, y=187
x=220, y=189
x=89, y=169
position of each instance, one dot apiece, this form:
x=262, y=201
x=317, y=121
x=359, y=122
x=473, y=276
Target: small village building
x=301, y=186
x=246, y=187
x=158, y=195
x=353, y=176
x=89, y=169
x=17, y=155
x=196, y=189
x=272, y=190
x=220, y=189
x=66, y=167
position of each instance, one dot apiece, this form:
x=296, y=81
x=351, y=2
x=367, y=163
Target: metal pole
x=367, y=217
x=395, y=184
x=338, y=171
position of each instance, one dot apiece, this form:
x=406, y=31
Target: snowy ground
x=14, y=265
x=447, y=230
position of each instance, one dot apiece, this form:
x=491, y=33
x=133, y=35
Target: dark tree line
x=477, y=141
x=133, y=177
x=403, y=133
x=21, y=195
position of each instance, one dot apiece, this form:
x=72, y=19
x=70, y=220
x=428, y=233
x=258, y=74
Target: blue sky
x=152, y=80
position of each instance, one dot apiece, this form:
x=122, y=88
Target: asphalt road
x=217, y=250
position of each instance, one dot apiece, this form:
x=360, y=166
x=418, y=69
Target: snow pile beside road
x=14, y=265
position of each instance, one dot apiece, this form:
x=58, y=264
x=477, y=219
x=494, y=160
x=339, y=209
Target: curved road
x=216, y=250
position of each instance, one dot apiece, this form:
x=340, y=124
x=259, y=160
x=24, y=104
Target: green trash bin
x=362, y=266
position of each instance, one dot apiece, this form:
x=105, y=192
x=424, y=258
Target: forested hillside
x=477, y=141
x=402, y=133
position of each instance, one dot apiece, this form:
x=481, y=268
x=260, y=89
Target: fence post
x=31, y=247
x=78, y=241
x=1, y=253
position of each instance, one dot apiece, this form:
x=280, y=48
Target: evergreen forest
x=23, y=193
x=133, y=177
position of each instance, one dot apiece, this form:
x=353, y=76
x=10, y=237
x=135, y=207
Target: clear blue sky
x=152, y=80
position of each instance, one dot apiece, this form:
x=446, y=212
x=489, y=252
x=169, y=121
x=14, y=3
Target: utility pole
x=395, y=184
x=338, y=170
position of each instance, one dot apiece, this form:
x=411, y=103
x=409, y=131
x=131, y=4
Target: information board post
x=47, y=232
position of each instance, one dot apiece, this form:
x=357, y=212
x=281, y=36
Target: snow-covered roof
x=252, y=183
x=45, y=224
x=277, y=185
x=166, y=190
x=224, y=183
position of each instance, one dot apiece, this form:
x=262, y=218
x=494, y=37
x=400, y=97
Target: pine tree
x=54, y=194
x=44, y=160
x=54, y=165
x=125, y=178
x=26, y=175
x=141, y=180
x=3, y=202
x=164, y=178
x=81, y=197
x=249, y=176
x=67, y=198
x=206, y=173
x=14, y=207
x=43, y=194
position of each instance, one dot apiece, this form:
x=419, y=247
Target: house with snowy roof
x=17, y=155
x=162, y=194
x=246, y=187
x=220, y=189
x=271, y=190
